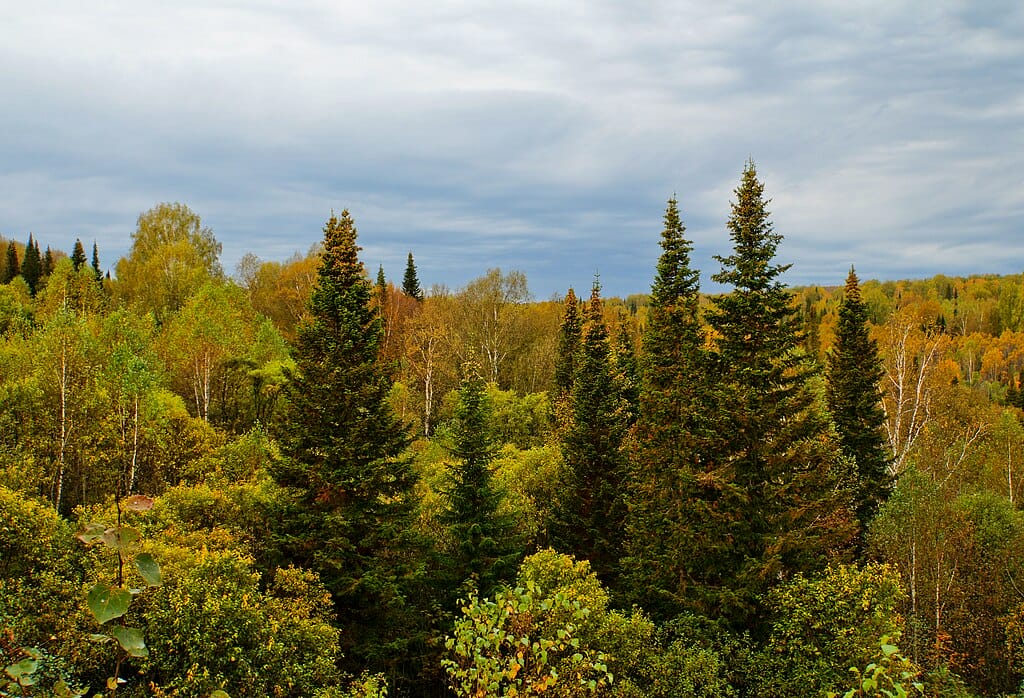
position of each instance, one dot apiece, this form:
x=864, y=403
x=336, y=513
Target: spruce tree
x=854, y=373
x=669, y=433
x=782, y=500
x=343, y=447
x=12, y=267
x=569, y=337
x=411, y=282
x=48, y=262
x=590, y=509
x=32, y=266
x=96, y=264
x=485, y=550
x=628, y=374
x=78, y=255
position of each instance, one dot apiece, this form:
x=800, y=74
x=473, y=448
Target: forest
x=310, y=479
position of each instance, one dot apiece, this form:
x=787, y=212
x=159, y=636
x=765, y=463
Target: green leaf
x=148, y=568
x=107, y=603
x=131, y=640
x=219, y=694
x=23, y=669
x=91, y=533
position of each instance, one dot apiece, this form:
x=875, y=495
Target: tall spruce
x=570, y=335
x=48, y=263
x=669, y=434
x=411, y=281
x=13, y=266
x=96, y=264
x=628, y=373
x=32, y=265
x=782, y=502
x=854, y=372
x=485, y=550
x=590, y=509
x=344, y=462
x=78, y=255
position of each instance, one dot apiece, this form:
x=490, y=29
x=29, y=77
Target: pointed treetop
x=852, y=291
x=675, y=283
x=411, y=282
x=78, y=255
x=96, y=262
x=569, y=335
x=339, y=260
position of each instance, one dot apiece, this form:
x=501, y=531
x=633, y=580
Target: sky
x=542, y=136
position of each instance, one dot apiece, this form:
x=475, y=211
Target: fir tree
x=485, y=550
x=344, y=445
x=78, y=255
x=32, y=266
x=12, y=267
x=781, y=500
x=411, y=282
x=96, y=264
x=669, y=433
x=590, y=508
x=628, y=373
x=853, y=374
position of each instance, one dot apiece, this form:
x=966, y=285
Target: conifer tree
x=48, y=262
x=78, y=255
x=12, y=267
x=590, y=508
x=854, y=373
x=32, y=265
x=411, y=282
x=485, y=549
x=96, y=264
x=569, y=337
x=669, y=433
x=344, y=445
x=628, y=373
x=784, y=506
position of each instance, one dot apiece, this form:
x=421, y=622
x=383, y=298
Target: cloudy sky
x=543, y=136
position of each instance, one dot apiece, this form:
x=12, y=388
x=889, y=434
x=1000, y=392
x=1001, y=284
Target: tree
x=491, y=322
x=590, y=508
x=569, y=338
x=854, y=372
x=352, y=486
x=96, y=264
x=172, y=255
x=12, y=268
x=78, y=255
x=48, y=262
x=32, y=266
x=783, y=503
x=669, y=432
x=485, y=550
x=411, y=282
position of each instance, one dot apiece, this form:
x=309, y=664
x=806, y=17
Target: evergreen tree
x=569, y=338
x=854, y=373
x=485, y=550
x=590, y=508
x=32, y=266
x=12, y=267
x=669, y=433
x=48, y=262
x=344, y=445
x=381, y=293
x=78, y=255
x=781, y=474
x=96, y=264
x=411, y=282
x=629, y=374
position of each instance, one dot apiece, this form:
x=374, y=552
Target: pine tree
x=669, y=434
x=590, y=508
x=96, y=264
x=344, y=445
x=486, y=551
x=78, y=255
x=411, y=282
x=12, y=267
x=32, y=266
x=783, y=506
x=854, y=373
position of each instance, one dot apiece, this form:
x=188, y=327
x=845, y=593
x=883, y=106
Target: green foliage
x=411, y=281
x=892, y=675
x=570, y=336
x=854, y=374
x=821, y=626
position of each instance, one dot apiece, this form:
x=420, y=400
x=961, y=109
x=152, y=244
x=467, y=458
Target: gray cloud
x=539, y=136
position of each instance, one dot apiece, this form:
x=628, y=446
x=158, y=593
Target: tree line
x=362, y=488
